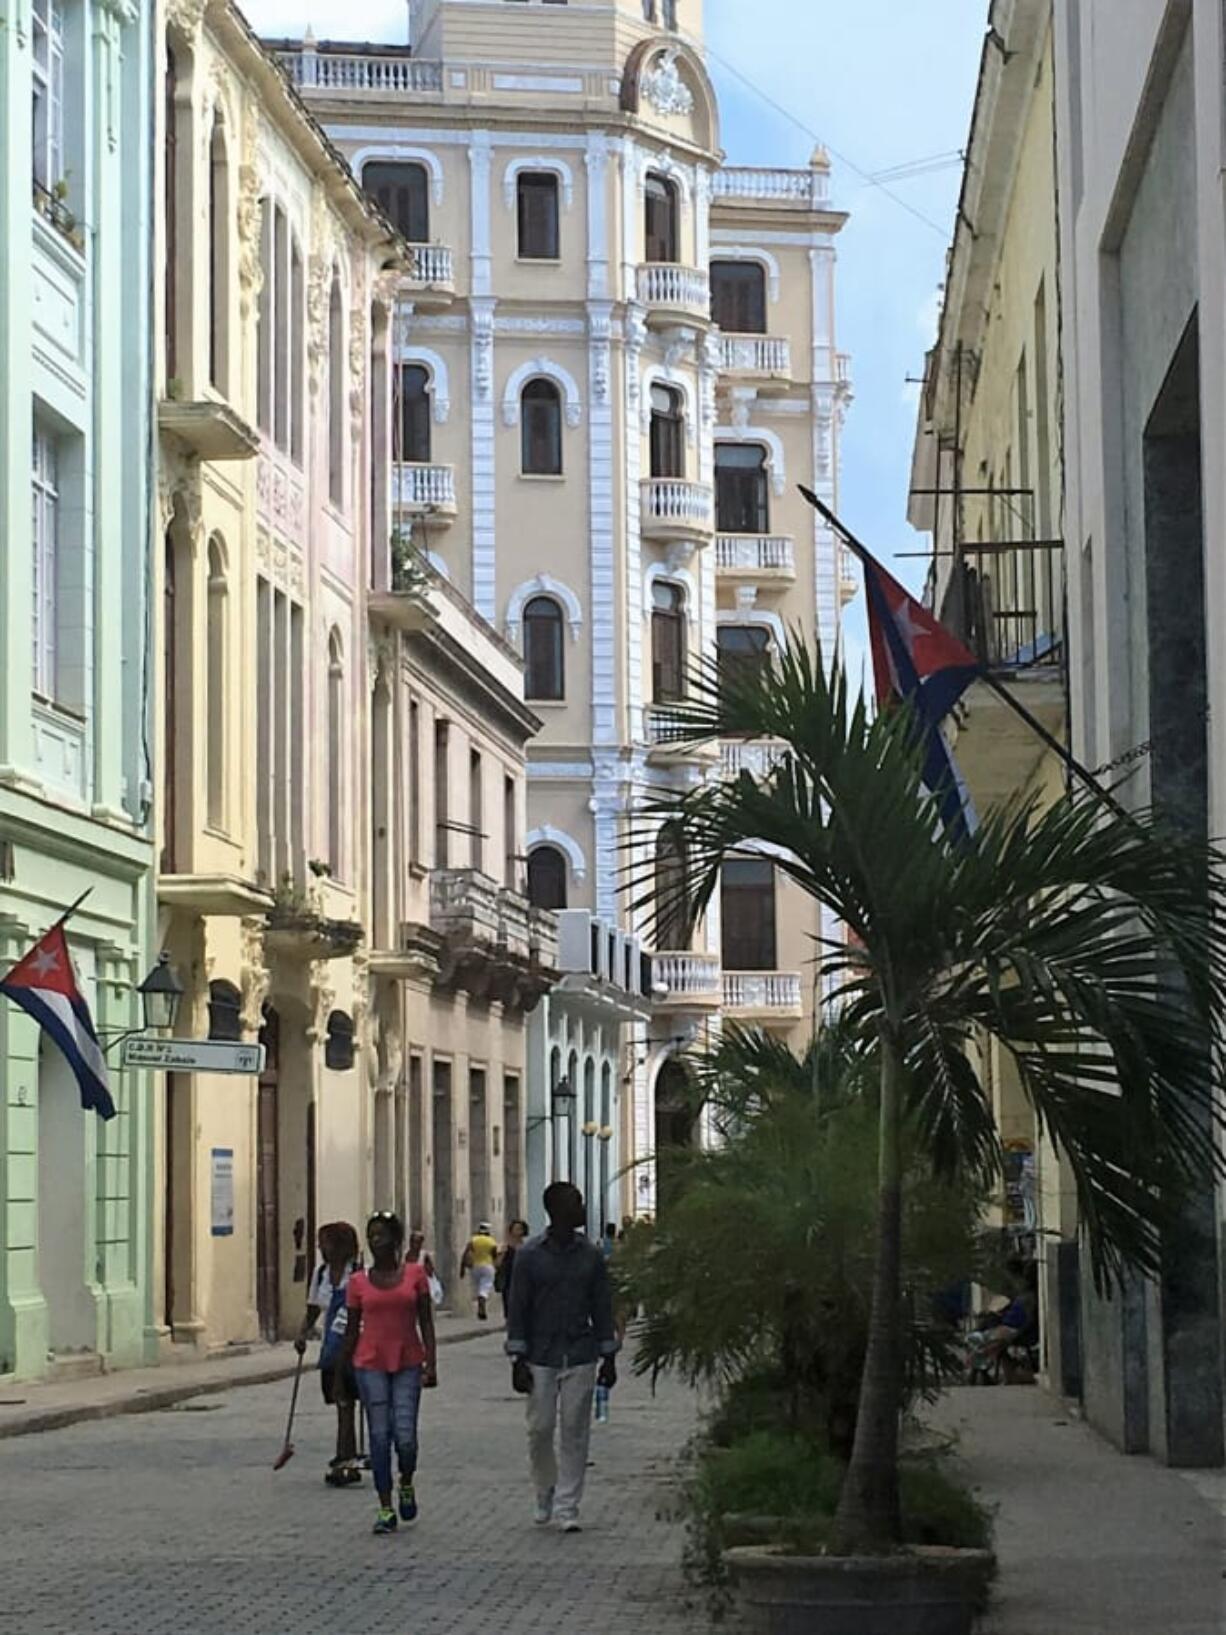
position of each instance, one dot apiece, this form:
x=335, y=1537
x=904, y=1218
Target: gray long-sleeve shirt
x=561, y=1311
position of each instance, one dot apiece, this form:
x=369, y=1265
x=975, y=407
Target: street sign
x=193, y=1055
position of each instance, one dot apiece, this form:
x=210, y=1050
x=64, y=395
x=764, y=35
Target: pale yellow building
x=988, y=487
x=614, y=359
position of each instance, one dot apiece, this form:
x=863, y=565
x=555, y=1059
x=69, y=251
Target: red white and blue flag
x=917, y=661
x=44, y=984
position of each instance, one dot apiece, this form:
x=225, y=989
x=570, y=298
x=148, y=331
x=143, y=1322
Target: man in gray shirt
x=560, y=1331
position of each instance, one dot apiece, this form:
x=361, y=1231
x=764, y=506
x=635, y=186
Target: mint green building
x=76, y=1232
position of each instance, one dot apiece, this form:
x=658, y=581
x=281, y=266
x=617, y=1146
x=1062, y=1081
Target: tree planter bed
x=924, y=1591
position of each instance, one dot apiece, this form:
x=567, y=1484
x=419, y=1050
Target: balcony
x=390, y=72
x=686, y=981
x=406, y=605
x=762, y=996
x=674, y=508
x=495, y=944
x=760, y=184
x=670, y=741
x=763, y=359
x=225, y=896
x=208, y=429
x=757, y=757
x=430, y=278
x=674, y=294
x=423, y=490
x=761, y=559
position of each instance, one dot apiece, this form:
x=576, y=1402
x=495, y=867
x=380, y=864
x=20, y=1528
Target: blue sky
x=883, y=83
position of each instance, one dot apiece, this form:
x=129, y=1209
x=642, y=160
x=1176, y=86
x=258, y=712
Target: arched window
x=219, y=257
x=672, y=893
x=336, y=716
x=537, y=200
x=747, y=914
x=675, y=1122
x=547, y=878
x=338, y=1047
x=413, y=419
x=280, y=332
x=742, y=649
x=541, y=429
x=667, y=432
x=336, y=395
x=742, y=493
x=738, y=296
x=667, y=642
x=661, y=219
x=544, y=662
x=402, y=192
x=215, y=686
x=225, y=1011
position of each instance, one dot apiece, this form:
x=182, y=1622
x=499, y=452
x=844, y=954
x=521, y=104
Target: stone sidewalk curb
x=153, y=1399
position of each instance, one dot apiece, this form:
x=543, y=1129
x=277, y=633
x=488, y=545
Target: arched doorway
x=268, y=1213
x=674, y=1121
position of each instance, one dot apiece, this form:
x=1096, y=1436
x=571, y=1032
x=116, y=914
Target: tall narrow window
x=170, y=204
x=660, y=222
x=414, y=781
x=738, y=296
x=297, y=405
x=541, y=429
x=510, y=857
x=742, y=500
x=336, y=752
x=170, y=704
x=336, y=396
x=442, y=746
x=747, y=914
x=544, y=663
x=537, y=195
x=743, y=650
x=667, y=642
x=672, y=896
x=47, y=72
x=413, y=420
x=265, y=324
x=219, y=257
x=215, y=686
x=402, y=192
x=667, y=432
x=547, y=878
x=476, y=811
x=46, y=521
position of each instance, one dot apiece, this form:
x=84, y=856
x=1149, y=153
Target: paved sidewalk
x=175, y=1523
x=1089, y=1541
x=28, y=1406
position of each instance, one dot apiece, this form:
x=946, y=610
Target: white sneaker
x=544, y=1509
x=571, y=1524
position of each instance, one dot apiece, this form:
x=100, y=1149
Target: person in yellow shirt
x=479, y=1261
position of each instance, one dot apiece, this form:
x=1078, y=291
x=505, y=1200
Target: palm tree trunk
x=868, y=1518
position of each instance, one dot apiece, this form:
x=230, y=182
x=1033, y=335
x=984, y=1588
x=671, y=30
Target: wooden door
x=268, y=1214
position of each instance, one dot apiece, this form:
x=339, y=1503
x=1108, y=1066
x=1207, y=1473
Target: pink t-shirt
x=389, y=1339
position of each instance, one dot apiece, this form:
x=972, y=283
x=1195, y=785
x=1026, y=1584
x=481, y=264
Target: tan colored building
x=614, y=359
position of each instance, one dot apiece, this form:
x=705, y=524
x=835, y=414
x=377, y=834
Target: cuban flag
x=44, y=984
x=916, y=660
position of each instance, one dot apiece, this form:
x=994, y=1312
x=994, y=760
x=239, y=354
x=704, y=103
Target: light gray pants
x=565, y=1395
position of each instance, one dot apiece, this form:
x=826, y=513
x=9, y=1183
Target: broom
x=287, y=1452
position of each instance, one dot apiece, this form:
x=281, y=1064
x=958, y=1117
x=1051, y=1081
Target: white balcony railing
x=432, y=264
x=769, y=185
x=758, y=759
x=424, y=487
x=360, y=71
x=755, y=553
x=756, y=355
x=686, y=976
x=677, y=503
x=762, y=992
x=680, y=289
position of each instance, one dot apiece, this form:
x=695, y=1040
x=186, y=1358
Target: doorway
x=268, y=1212
x=674, y=1128
x=178, y=1202
x=444, y=1179
x=478, y=1147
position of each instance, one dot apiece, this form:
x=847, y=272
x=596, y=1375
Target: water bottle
x=602, y=1404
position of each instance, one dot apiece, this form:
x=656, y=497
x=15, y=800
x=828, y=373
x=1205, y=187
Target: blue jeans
x=391, y=1402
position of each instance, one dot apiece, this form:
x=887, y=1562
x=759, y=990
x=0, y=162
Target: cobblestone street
x=175, y=1522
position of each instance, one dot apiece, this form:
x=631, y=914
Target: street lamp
x=160, y=994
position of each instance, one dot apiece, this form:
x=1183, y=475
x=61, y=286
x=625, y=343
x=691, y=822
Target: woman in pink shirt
x=389, y=1341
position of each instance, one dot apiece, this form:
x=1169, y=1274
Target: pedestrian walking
x=517, y=1236
x=326, y=1295
x=421, y=1256
x=561, y=1338
x=390, y=1344
x=478, y=1262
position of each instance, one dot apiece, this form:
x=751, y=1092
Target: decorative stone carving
x=253, y=977
x=483, y=349
x=358, y=326
x=664, y=88
x=186, y=15
x=600, y=326
x=319, y=293
x=323, y=1000
x=250, y=273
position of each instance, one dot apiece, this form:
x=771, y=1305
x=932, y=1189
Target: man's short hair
x=556, y=1191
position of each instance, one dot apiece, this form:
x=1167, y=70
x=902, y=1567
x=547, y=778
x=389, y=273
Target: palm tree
x=1081, y=939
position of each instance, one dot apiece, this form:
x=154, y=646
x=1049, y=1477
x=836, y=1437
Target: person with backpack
x=326, y=1295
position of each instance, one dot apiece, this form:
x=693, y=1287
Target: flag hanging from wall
x=44, y=984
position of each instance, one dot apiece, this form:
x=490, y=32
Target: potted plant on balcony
x=1080, y=942
x=411, y=572
x=297, y=915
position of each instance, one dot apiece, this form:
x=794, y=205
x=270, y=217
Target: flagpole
x=69, y=912
x=998, y=687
